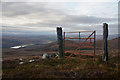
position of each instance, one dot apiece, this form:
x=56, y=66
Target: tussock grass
x=62, y=68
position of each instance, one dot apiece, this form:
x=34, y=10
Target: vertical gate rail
x=81, y=44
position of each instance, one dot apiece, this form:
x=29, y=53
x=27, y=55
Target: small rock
x=56, y=56
x=45, y=56
x=21, y=62
x=30, y=61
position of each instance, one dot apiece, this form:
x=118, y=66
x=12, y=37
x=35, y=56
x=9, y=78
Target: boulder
x=30, y=61
x=21, y=62
x=45, y=56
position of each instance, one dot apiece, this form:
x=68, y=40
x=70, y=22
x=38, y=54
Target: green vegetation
x=61, y=68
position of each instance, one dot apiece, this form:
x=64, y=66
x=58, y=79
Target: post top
x=59, y=27
x=104, y=23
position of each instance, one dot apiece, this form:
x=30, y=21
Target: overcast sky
x=43, y=17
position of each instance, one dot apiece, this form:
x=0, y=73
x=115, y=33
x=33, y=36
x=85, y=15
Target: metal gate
x=83, y=42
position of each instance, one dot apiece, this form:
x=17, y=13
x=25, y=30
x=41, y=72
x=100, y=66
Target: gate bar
x=78, y=31
x=93, y=32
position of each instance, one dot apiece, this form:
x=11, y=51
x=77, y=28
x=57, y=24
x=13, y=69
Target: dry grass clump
x=61, y=68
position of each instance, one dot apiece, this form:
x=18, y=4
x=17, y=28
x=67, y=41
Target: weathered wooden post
x=60, y=42
x=105, y=43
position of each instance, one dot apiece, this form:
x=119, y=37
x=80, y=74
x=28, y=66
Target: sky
x=42, y=17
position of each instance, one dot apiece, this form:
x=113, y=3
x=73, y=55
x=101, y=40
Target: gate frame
x=79, y=46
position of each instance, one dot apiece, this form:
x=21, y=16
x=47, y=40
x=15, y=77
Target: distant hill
x=50, y=48
x=9, y=41
x=53, y=46
x=112, y=44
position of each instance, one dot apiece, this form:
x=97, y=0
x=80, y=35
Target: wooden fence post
x=105, y=42
x=60, y=42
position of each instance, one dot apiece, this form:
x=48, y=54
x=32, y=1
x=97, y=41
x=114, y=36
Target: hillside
x=112, y=44
x=59, y=68
x=52, y=47
x=9, y=41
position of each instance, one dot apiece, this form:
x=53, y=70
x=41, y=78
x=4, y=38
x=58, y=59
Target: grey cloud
x=10, y=9
x=50, y=14
x=14, y=9
x=43, y=10
x=87, y=19
x=73, y=21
